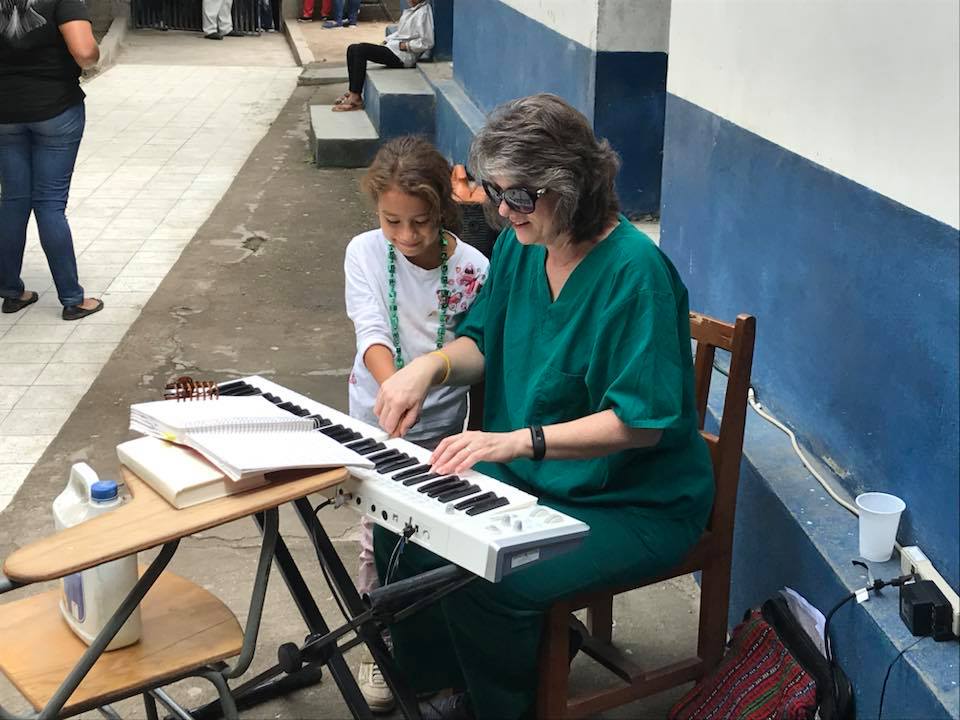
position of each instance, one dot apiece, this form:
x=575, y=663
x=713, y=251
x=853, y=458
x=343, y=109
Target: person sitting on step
x=401, y=49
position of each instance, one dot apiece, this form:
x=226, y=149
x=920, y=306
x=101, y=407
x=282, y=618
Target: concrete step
x=341, y=139
x=400, y=102
x=322, y=74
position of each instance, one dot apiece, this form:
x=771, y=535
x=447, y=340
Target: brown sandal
x=347, y=106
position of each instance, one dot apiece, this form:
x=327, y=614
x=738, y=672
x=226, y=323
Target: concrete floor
x=152, y=47
x=330, y=46
x=259, y=290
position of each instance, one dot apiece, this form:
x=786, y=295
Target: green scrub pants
x=485, y=637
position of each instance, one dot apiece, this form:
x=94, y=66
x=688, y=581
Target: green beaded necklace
x=392, y=299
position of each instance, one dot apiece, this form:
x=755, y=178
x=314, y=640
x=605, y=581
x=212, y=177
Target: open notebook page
x=242, y=454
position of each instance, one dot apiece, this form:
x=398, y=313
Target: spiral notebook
x=243, y=436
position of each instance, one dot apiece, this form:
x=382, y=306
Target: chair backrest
x=726, y=447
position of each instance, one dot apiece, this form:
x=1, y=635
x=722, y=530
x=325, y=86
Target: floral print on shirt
x=464, y=287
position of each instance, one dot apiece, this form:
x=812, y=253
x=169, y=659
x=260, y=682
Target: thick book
x=243, y=436
x=181, y=476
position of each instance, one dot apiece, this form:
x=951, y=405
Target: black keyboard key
x=396, y=465
x=238, y=387
x=459, y=485
x=488, y=505
x=318, y=421
x=448, y=495
x=418, y=470
x=385, y=455
x=272, y=398
x=372, y=449
x=443, y=482
x=343, y=435
x=417, y=479
x=354, y=435
x=288, y=406
x=474, y=500
x=299, y=411
x=361, y=444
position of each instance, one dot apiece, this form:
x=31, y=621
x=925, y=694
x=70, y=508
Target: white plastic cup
x=879, y=520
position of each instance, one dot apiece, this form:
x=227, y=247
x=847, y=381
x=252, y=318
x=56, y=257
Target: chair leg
x=600, y=619
x=714, y=604
x=554, y=664
x=150, y=705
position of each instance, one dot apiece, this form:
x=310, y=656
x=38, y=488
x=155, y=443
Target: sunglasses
x=520, y=199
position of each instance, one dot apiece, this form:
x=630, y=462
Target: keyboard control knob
x=518, y=525
x=506, y=519
x=425, y=534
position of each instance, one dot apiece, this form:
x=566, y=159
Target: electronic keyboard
x=473, y=520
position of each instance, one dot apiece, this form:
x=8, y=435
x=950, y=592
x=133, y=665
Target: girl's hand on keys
x=401, y=397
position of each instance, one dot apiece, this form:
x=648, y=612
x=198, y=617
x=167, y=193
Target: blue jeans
x=36, y=164
x=264, y=15
x=353, y=10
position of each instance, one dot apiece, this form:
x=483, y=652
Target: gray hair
x=541, y=141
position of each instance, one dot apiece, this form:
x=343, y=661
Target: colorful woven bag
x=771, y=671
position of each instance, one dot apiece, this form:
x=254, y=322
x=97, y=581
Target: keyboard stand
x=299, y=666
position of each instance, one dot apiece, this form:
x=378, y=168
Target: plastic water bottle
x=91, y=597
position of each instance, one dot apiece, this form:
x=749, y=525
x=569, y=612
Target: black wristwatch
x=539, y=442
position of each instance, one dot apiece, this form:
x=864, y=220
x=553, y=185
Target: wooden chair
x=711, y=556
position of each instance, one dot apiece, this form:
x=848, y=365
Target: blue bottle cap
x=104, y=490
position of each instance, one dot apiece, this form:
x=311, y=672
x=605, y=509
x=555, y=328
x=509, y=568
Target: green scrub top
x=616, y=338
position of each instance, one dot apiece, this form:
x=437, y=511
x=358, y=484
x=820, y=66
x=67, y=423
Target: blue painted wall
x=501, y=54
x=629, y=111
x=808, y=542
x=857, y=303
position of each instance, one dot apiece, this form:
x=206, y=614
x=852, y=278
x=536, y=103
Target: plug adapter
x=925, y=610
x=912, y=560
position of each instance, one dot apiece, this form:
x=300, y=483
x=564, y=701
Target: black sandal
x=75, y=312
x=12, y=305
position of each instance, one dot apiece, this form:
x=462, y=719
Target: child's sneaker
x=373, y=687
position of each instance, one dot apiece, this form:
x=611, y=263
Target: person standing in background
x=326, y=10
x=43, y=46
x=218, y=20
x=338, y=20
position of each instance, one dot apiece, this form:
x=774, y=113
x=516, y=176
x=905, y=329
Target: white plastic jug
x=91, y=597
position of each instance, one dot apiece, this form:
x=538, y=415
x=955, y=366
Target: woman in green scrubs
x=582, y=337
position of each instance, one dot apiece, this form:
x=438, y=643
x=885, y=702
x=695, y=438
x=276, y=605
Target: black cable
x=827, y=645
x=394, y=559
x=394, y=562
x=886, y=677
x=323, y=568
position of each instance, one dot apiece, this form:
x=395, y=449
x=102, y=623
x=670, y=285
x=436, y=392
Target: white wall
x=611, y=25
x=867, y=88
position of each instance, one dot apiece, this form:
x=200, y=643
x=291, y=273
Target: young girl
x=408, y=283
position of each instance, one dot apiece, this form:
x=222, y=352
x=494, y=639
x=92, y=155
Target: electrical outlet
x=912, y=560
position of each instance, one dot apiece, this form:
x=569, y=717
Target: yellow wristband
x=446, y=359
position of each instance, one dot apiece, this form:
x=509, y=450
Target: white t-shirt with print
x=418, y=315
